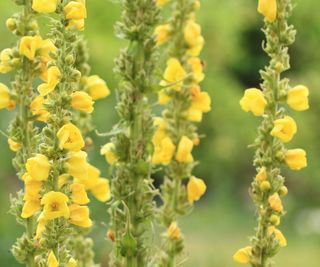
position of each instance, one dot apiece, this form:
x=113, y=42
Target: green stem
x=131, y=184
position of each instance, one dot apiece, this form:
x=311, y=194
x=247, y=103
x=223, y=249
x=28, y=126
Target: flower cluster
x=184, y=102
x=51, y=163
x=276, y=129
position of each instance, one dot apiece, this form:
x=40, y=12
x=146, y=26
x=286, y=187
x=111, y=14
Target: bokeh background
x=224, y=218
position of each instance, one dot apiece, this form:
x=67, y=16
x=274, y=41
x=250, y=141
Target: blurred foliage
x=233, y=54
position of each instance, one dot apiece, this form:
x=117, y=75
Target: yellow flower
x=200, y=103
x=29, y=45
x=197, y=69
x=194, y=51
x=243, y=255
x=278, y=235
x=72, y=263
x=5, y=57
x=62, y=179
x=184, y=150
x=161, y=3
x=268, y=8
x=38, y=167
x=196, y=189
x=275, y=202
x=44, y=6
x=101, y=190
x=108, y=151
x=296, y=159
x=79, y=215
x=284, y=129
x=32, y=188
x=254, y=101
x=38, y=109
x=30, y=207
x=92, y=178
x=82, y=101
x=192, y=33
x=76, y=23
x=262, y=175
x=75, y=10
x=77, y=165
x=70, y=138
x=163, y=98
x=55, y=205
x=5, y=98
x=194, y=114
x=174, y=232
x=40, y=227
x=164, y=152
x=162, y=33
x=174, y=74
x=197, y=4
x=298, y=98
x=79, y=194
x=53, y=78
x=47, y=47
x=160, y=132
x=52, y=260
x=14, y=146
x=97, y=87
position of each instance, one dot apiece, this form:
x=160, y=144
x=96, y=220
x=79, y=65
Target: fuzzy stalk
x=132, y=207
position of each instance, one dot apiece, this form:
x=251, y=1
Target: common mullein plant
x=129, y=152
x=56, y=173
x=176, y=131
x=276, y=129
x=22, y=132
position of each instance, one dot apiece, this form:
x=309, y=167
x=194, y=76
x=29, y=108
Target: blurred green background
x=222, y=221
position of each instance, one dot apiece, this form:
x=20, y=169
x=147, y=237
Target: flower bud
x=11, y=24
x=275, y=220
x=70, y=59
x=265, y=186
x=283, y=191
x=254, y=101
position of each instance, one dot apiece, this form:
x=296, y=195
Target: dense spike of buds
x=132, y=209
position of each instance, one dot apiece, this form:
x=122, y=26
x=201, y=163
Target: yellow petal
x=195, y=188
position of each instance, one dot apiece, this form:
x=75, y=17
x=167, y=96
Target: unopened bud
x=265, y=186
x=275, y=220
x=283, y=191
x=11, y=24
